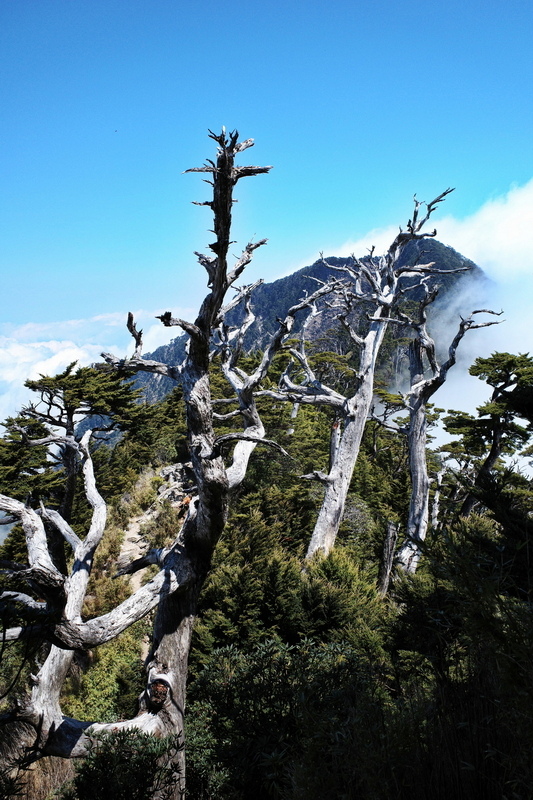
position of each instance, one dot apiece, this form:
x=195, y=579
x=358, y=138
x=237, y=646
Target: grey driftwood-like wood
x=174, y=591
x=184, y=566
x=422, y=358
x=379, y=283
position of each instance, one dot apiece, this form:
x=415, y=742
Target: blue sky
x=357, y=105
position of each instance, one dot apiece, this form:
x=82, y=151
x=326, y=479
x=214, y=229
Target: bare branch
x=154, y=556
x=25, y=599
x=416, y=224
x=67, y=441
x=427, y=269
x=61, y=525
x=94, y=498
x=297, y=394
x=209, y=264
x=137, y=335
x=317, y=475
x=465, y=325
x=22, y=633
x=284, y=328
x=171, y=322
x=224, y=401
x=229, y=415
x=42, y=568
x=244, y=146
x=244, y=260
x=356, y=339
x=141, y=365
x=241, y=295
x=174, y=576
x=244, y=437
x=245, y=172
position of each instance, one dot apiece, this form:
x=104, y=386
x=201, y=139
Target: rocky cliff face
x=271, y=301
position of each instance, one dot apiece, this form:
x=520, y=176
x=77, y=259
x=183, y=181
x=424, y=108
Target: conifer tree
x=495, y=431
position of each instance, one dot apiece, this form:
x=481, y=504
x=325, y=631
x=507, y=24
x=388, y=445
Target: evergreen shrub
x=125, y=764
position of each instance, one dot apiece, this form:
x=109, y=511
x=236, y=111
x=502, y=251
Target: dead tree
x=423, y=358
x=387, y=558
x=184, y=565
x=378, y=283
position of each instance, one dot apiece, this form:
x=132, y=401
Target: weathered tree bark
x=344, y=454
x=42, y=723
x=417, y=400
x=379, y=283
x=185, y=564
x=387, y=558
x=435, y=509
x=422, y=348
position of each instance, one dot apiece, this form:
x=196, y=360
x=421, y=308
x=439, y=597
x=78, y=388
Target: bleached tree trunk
x=417, y=523
x=422, y=389
x=435, y=509
x=346, y=451
x=379, y=283
x=42, y=720
x=185, y=564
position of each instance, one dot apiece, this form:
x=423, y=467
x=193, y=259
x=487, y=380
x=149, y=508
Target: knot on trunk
x=157, y=694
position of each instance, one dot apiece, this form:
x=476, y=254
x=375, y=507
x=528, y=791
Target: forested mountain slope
x=310, y=684
x=346, y=609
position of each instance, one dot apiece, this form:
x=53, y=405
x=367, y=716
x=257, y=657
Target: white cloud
x=37, y=348
x=378, y=238
x=22, y=360
x=498, y=236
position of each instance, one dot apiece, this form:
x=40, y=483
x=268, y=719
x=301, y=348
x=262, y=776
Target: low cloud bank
x=33, y=349
x=20, y=361
x=498, y=236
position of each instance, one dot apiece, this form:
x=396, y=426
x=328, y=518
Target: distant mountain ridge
x=271, y=301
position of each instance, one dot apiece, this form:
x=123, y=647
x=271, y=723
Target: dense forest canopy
x=390, y=660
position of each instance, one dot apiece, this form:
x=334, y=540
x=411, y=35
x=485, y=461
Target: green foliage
x=277, y=708
x=462, y=622
x=110, y=688
x=427, y=697
x=478, y=433
x=25, y=472
x=125, y=765
x=381, y=476
x=254, y=590
x=340, y=604
x=161, y=531
x=207, y=776
x=13, y=549
x=512, y=379
x=306, y=684
x=86, y=392
x=432, y=703
x=16, y=661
